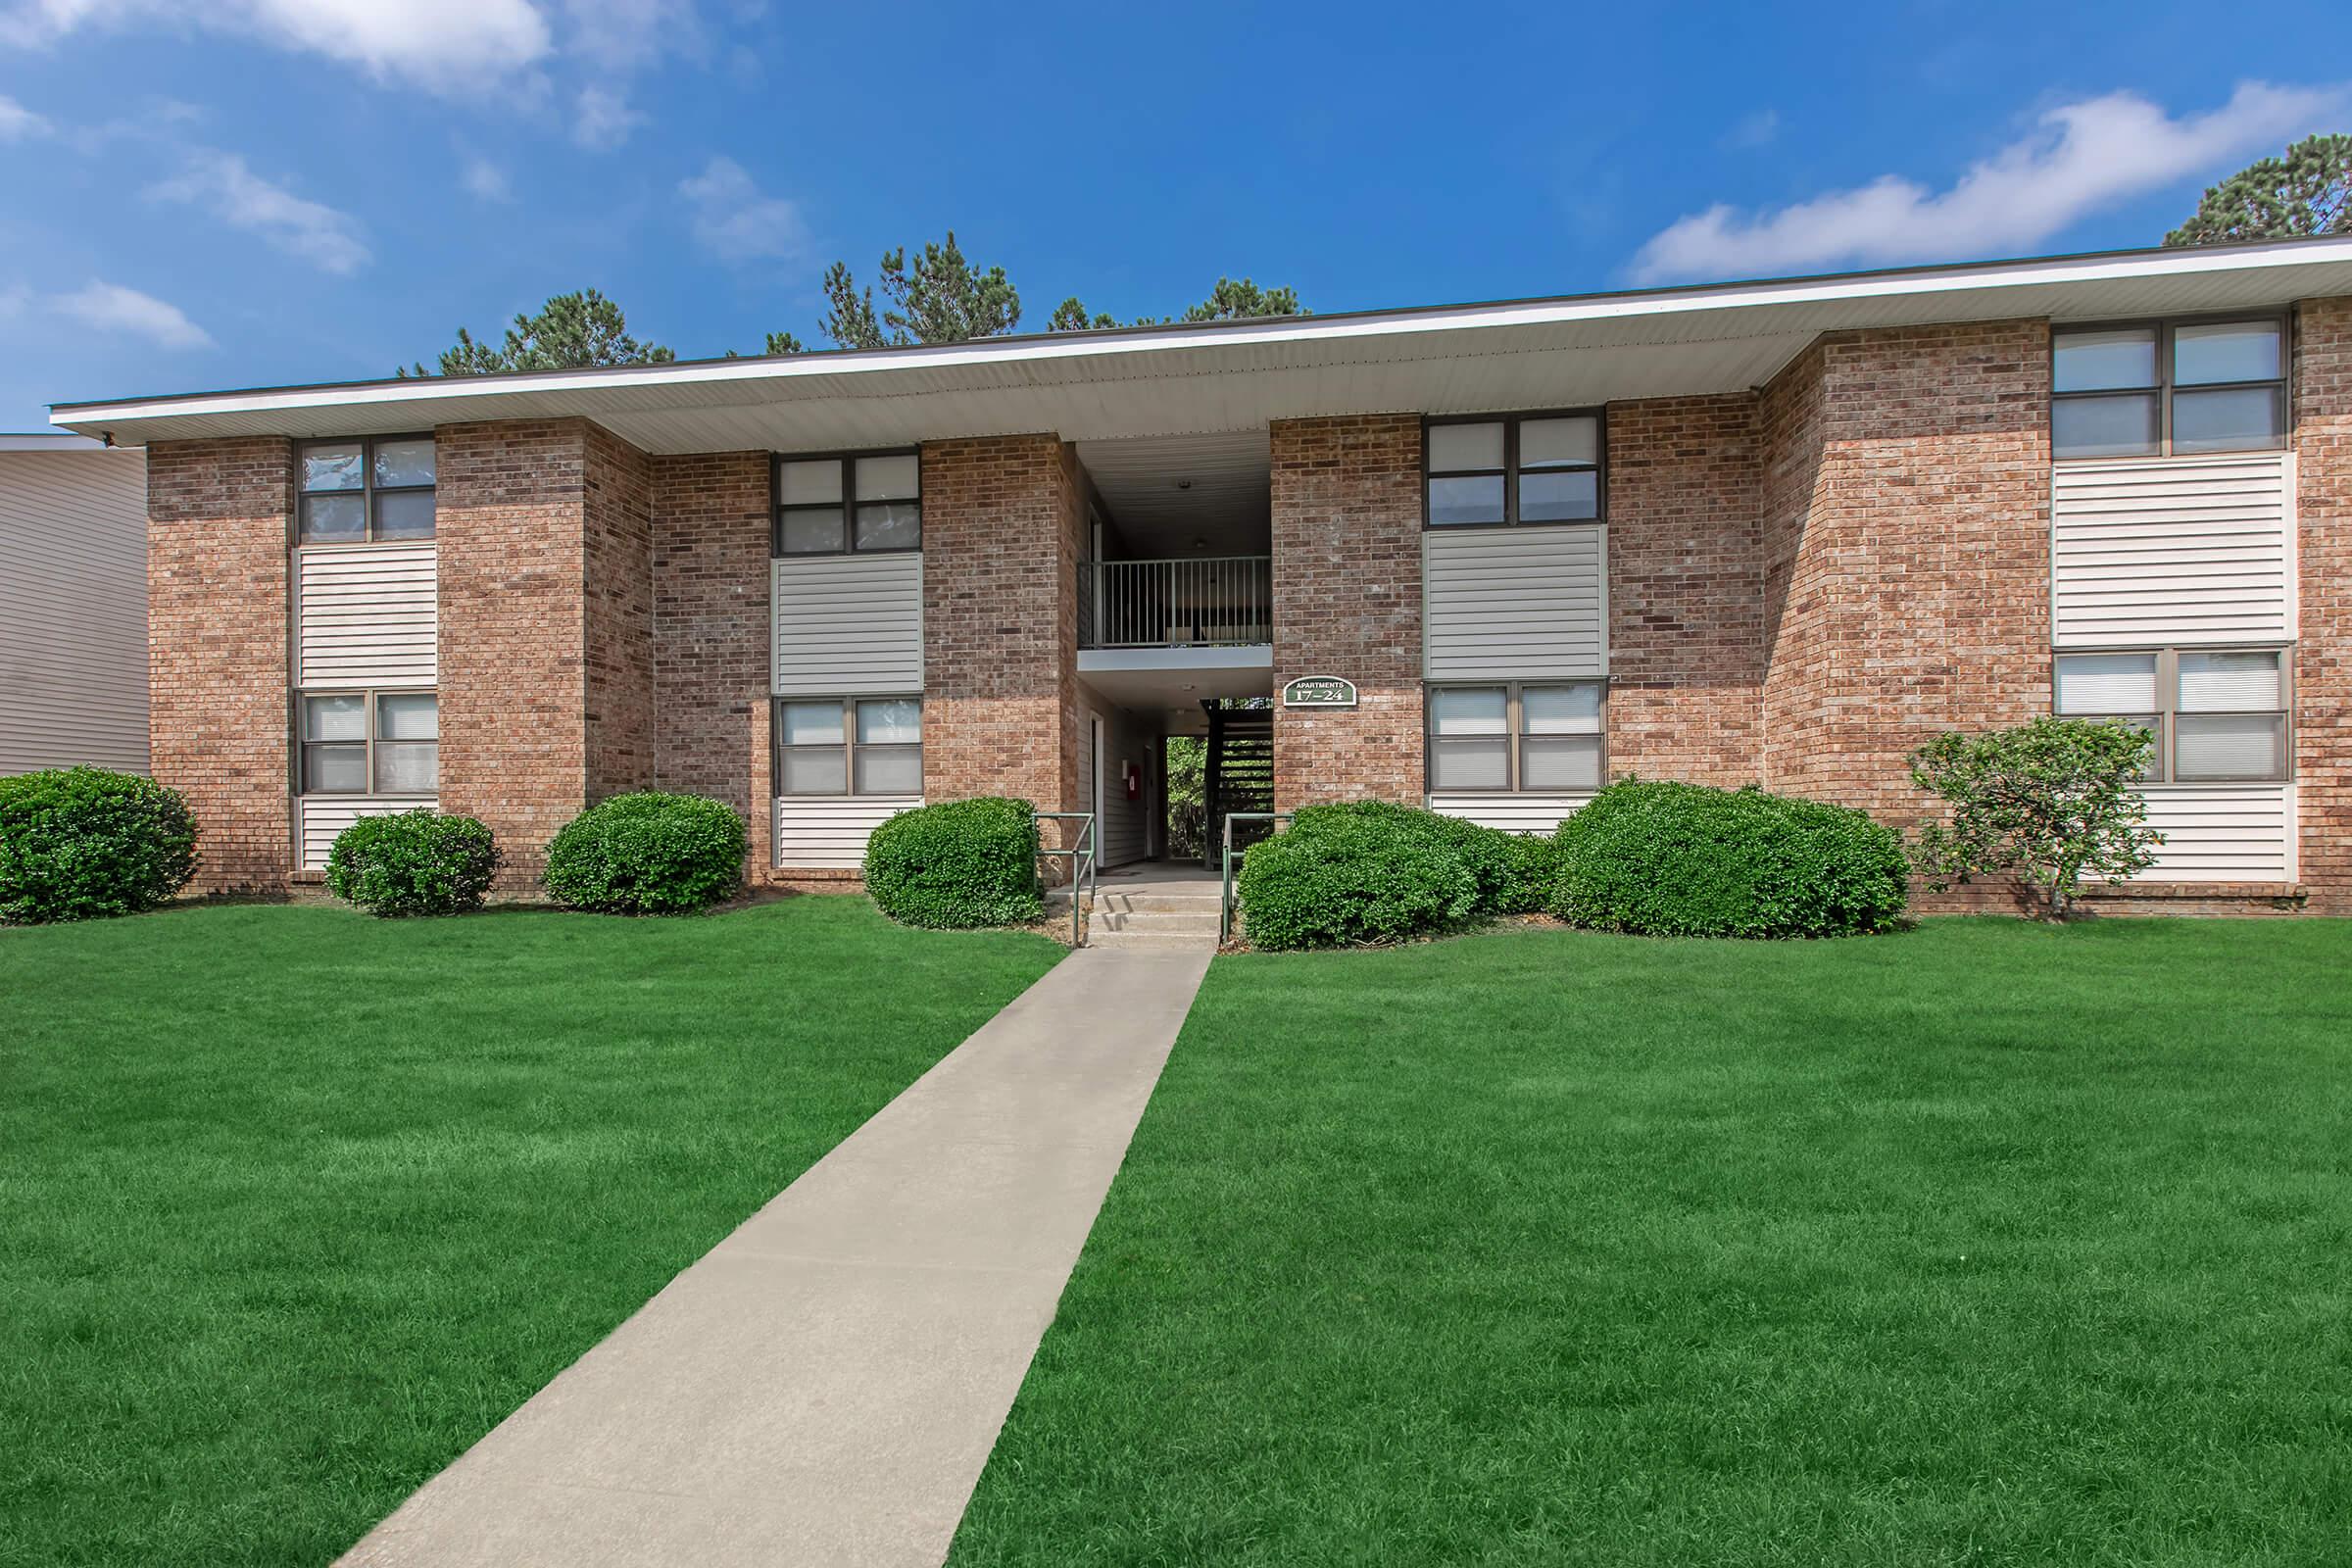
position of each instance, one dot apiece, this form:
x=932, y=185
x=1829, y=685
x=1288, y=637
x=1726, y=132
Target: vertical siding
x=1513, y=813
x=1513, y=604
x=828, y=832
x=367, y=616
x=845, y=624
x=73, y=609
x=322, y=816
x=2173, y=550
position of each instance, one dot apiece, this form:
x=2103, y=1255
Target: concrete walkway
x=824, y=1385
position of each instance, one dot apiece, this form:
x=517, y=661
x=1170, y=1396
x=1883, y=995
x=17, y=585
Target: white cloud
x=20, y=124
x=221, y=183
x=1753, y=131
x=443, y=45
x=111, y=308
x=2081, y=158
x=604, y=119
x=734, y=221
x=485, y=181
x=619, y=35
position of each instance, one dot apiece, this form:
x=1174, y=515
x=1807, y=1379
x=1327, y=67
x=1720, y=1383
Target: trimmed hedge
x=1350, y=879
x=1486, y=853
x=1662, y=858
x=957, y=865
x=413, y=862
x=83, y=843
x=651, y=852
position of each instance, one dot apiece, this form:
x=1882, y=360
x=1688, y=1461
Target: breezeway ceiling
x=1165, y=493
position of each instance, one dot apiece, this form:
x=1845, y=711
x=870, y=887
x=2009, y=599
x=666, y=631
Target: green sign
x=1319, y=691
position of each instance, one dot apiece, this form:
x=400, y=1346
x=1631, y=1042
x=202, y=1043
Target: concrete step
x=1173, y=921
x=1139, y=903
x=1155, y=941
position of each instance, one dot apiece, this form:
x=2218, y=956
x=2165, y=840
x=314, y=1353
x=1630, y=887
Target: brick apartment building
x=1773, y=533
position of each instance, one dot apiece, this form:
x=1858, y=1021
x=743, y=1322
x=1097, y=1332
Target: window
x=1532, y=737
x=2168, y=387
x=850, y=746
x=2218, y=715
x=831, y=505
x=375, y=490
x=371, y=743
x=1529, y=468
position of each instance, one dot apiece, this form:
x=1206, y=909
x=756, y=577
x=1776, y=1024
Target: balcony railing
x=1209, y=602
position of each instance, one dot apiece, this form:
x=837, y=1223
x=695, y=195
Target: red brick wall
x=219, y=541
x=2324, y=653
x=710, y=623
x=513, y=604
x=618, y=616
x=1347, y=495
x=1906, y=553
x=1685, y=590
x=1002, y=541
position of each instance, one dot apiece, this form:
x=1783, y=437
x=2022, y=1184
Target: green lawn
x=1985, y=1243
x=298, y=1203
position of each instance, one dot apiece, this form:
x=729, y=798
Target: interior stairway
x=1238, y=776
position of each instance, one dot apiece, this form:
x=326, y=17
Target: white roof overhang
x=1150, y=381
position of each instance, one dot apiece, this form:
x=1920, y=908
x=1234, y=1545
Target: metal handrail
x=1180, y=602
x=1081, y=859
x=1225, y=881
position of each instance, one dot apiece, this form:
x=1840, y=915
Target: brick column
x=711, y=625
x=219, y=537
x=1685, y=571
x=1346, y=534
x=618, y=614
x=2323, y=695
x=1001, y=539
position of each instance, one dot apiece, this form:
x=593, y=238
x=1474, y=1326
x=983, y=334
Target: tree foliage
x=1188, y=802
x=937, y=297
x=1229, y=301
x=2306, y=191
x=573, y=331
x=2047, y=801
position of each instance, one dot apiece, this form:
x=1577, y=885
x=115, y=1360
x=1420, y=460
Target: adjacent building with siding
x=1774, y=534
x=72, y=604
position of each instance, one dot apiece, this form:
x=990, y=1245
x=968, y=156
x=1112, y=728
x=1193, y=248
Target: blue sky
x=299, y=190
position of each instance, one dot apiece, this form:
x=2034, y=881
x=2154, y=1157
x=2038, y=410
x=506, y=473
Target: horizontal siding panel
x=322, y=816
x=2222, y=832
x=828, y=832
x=2180, y=549
x=1513, y=813
x=367, y=616
x=73, y=609
x=1514, y=604
x=845, y=624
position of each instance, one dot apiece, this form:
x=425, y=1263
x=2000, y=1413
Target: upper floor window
x=377, y=489
x=865, y=502
x=2218, y=715
x=1535, y=467
x=371, y=743
x=1530, y=736
x=2168, y=387
x=850, y=746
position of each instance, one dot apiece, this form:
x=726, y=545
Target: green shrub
x=958, y=864
x=651, y=852
x=1486, y=853
x=1350, y=879
x=413, y=862
x=1683, y=859
x=1535, y=860
x=80, y=843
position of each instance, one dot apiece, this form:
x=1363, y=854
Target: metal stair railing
x=1225, y=882
x=1081, y=859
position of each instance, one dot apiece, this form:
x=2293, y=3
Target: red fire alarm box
x=1134, y=777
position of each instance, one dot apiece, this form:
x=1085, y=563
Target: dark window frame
x=847, y=746
x=2166, y=327
x=367, y=492
x=1514, y=722
x=2163, y=762
x=366, y=743
x=847, y=504
x=1511, y=472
